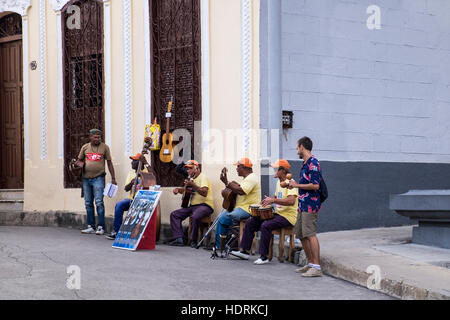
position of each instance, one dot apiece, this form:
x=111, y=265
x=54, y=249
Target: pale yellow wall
x=44, y=178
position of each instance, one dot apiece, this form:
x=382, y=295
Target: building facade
x=114, y=65
x=368, y=82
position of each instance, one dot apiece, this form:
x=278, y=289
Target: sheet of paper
x=110, y=190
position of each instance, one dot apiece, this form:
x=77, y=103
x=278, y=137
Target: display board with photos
x=137, y=219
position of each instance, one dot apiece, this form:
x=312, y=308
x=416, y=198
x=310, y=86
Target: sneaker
x=303, y=269
x=240, y=254
x=177, y=242
x=312, y=272
x=89, y=230
x=100, y=231
x=111, y=236
x=261, y=261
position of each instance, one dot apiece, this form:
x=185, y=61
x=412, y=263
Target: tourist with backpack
x=309, y=204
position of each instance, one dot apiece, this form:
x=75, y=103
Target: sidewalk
x=408, y=271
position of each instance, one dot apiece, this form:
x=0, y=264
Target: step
x=11, y=194
x=11, y=205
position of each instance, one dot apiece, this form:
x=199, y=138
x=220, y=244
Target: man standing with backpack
x=309, y=204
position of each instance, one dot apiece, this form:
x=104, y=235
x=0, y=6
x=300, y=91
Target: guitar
x=229, y=197
x=166, y=153
x=187, y=194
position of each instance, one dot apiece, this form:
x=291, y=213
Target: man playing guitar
x=201, y=204
x=248, y=192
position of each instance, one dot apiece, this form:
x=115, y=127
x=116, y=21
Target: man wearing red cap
x=201, y=204
x=124, y=204
x=286, y=201
x=248, y=193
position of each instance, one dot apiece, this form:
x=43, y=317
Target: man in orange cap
x=248, y=193
x=286, y=201
x=124, y=204
x=201, y=204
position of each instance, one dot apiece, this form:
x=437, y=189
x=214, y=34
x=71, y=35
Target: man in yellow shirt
x=286, y=201
x=248, y=193
x=124, y=204
x=201, y=204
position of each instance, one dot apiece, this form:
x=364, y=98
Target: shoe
x=89, y=230
x=303, y=269
x=312, y=272
x=100, y=231
x=261, y=260
x=193, y=244
x=177, y=242
x=240, y=254
x=111, y=236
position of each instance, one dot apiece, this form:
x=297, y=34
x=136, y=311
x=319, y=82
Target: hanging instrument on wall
x=166, y=152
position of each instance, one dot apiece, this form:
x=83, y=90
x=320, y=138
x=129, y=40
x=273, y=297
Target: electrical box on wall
x=288, y=119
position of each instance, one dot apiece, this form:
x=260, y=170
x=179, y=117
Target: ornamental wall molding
x=246, y=72
x=59, y=4
x=17, y=6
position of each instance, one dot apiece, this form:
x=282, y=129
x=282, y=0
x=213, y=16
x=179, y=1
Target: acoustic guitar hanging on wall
x=166, y=152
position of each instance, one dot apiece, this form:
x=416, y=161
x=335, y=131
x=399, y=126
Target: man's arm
x=201, y=191
x=111, y=170
x=289, y=201
x=309, y=186
x=236, y=188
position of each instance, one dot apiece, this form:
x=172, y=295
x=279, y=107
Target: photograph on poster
x=136, y=220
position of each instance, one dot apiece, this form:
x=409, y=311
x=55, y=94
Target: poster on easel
x=138, y=221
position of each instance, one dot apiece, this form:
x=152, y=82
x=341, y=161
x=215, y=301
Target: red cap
x=136, y=157
x=281, y=163
x=245, y=162
x=191, y=164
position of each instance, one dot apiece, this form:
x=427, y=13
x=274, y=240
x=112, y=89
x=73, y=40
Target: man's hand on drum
x=268, y=201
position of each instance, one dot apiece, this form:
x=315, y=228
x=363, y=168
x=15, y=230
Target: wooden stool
x=204, y=223
x=241, y=232
x=289, y=231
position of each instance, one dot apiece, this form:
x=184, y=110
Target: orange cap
x=245, y=162
x=281, y=163
x=191, y=164
x=136, y=157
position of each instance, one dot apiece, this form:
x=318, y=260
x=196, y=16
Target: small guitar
x=229, y=197
x=187, y=194
x=166, y=153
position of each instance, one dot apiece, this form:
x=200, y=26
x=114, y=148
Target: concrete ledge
x=407, y=270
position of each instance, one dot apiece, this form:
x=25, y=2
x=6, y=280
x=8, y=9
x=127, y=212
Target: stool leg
x=241, y=232
x=281, y=246
x=189, y=231
x=291, y=246
x=208, y=237
x=270, y=248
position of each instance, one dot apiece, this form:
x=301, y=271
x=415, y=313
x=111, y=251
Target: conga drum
x=265, y=213
x=254, y=210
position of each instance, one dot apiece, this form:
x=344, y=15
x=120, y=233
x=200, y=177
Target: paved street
x=33, y=262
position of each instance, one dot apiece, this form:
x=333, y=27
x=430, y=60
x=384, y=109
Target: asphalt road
x=34, y=262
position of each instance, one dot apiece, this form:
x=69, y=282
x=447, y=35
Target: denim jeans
x=93, y=190
x=227, y=219
x=120, y=208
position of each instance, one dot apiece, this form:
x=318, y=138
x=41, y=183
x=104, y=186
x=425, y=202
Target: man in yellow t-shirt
x=201, y=204
x=286, y=201
x=248, y=193
x=124, y=204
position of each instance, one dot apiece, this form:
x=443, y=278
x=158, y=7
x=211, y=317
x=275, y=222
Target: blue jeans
x=227, y=219
x=93, y=190
x=121, y=207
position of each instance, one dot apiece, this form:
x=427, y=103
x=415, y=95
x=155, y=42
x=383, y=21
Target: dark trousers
x=266, y=227
x=198, y=212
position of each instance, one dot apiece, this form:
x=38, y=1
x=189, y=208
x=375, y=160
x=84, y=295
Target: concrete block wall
x=367, y=95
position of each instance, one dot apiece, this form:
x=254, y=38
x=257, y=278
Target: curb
x=64, y=219
x=393, y=288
